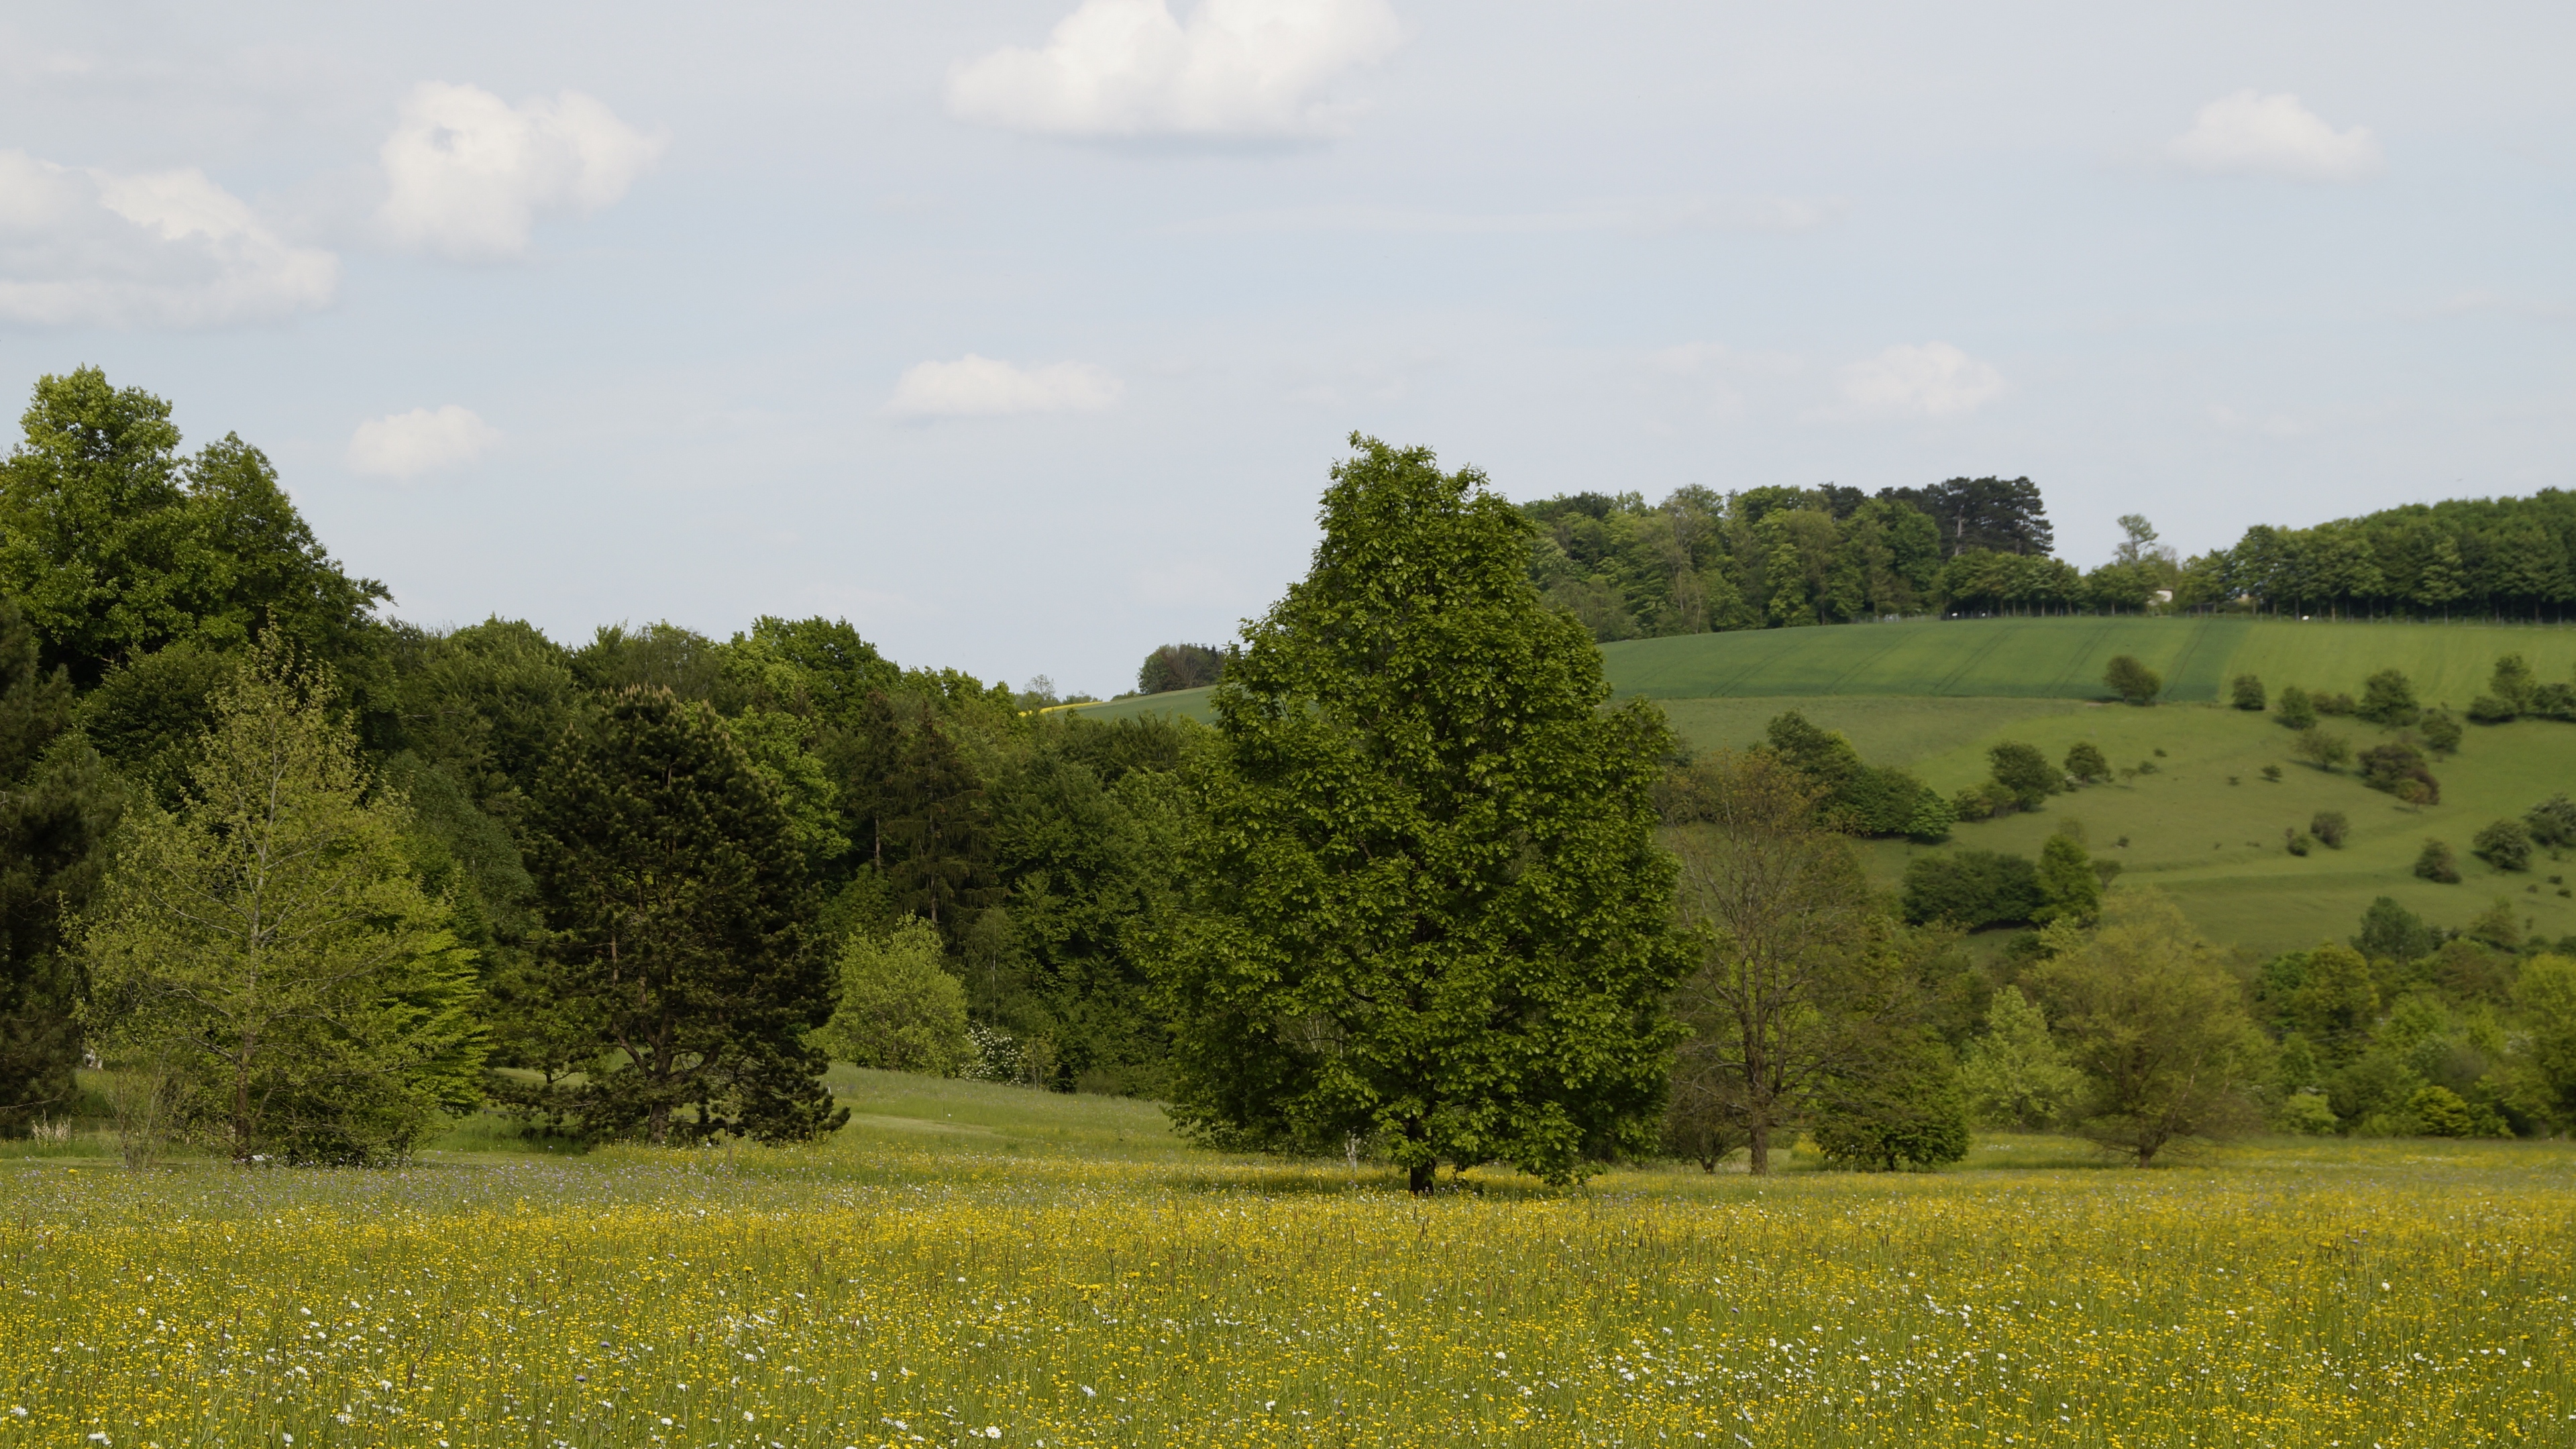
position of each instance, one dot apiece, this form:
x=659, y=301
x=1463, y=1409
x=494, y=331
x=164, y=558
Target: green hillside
x=2064, y=658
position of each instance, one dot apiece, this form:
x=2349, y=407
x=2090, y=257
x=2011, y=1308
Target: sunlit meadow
x=977, y=1264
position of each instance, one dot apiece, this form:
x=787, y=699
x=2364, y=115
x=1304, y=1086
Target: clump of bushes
x=2133, y=681
x=2553, y=821
x=2085, y=762
x=2297, y=709
x=2506, y=845
x=2330, y=828
x=2322, y=748
x=1972, y=888
x=2513, y=691
x=2246, y=692
x=2397, y=768
x=2388, y=699
x=2436, y=863
x=2441, y=732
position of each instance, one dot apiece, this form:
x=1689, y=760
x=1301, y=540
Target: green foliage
x=2069, y=888
x=114, y=546
x=1180, y=666
x=900, y=1009
x=2388, y=699
x=2307, y=1113
x=1425, y=900
x=2553, y=821
x=2440, y=730
x=2546, y=997
x=2297, y=709
x=2440, y=1112
x=2246, y=692
x=2506, y=845
x=268, y=950
x=2436, y=863
x=2132, y=681
x=2154, y=1020
x=2016, y=1076
x=2513, y=683
x=2331, y=828
x=2085, y=762
x=673, y=897
x=1855, y=798
x=2390, y=932
x=2322, y=748
x=2024, y=773
x=1932, y=818
x=1972, y=889
x=2398, y=768
x=1900, y=1108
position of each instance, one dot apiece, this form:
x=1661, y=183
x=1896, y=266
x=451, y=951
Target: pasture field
x=972, y=1264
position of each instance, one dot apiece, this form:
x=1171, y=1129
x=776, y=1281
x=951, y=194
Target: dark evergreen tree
x=675, y=905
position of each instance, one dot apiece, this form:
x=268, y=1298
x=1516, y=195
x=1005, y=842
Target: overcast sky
x=1022, y=333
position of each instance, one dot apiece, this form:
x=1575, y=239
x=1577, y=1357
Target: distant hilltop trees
x=1768, y=558
x=1180, y=666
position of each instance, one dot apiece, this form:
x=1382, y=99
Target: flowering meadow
x=878, y=1291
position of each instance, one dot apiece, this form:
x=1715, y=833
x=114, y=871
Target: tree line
x=1779, y=557
x=312, y=881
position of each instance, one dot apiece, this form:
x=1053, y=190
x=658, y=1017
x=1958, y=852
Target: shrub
x=2388, y=698
x=2390, y=767
x=2488, y=709
x=2440, y=1112
x=1972, y=888
x=2069, y=887
x=2132, y=681
x=2554, y=701
x=2435, y=863
x=2085, y=762
x=1973, y=803
x=2330, y=828
x=900, y=1010
x=2506, y=845
x=2245, y=692
x=2390, y=932
x=2297, y=709
x=2297, y=843
x=1932, y=817
x=2307, y=1113
x=2553, y=821
x=2272, y=773
x=2441, y=732
x=2025, y=774
x=2337, y=704
x=2513, y=682
x=2321, y=748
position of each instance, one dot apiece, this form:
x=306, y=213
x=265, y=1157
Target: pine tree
x=269, y=948
x=674, y=896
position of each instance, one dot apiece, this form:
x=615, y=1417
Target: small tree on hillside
x=674, y=894
x=2016, y=1075
x=1792, y=944
x=2132, y=681
x=1426, y=902
x=267, y=948
x=1180, y=666
x=2322, y=748
x=2296, y=709
x=2086, y=762
x=2246, y=692
x=2388, y=698
x=2157, y=1025
x=2025, y=774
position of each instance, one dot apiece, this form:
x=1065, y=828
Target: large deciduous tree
x=1427, y=904
x=267, y=947
x=674, y=899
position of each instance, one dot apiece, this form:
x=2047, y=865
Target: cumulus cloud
x=1935, y=380
x=2248, y=134
x=156, y=249
x=406, y=445
x=1235, y=68
x=468, y=174
x=974, y=386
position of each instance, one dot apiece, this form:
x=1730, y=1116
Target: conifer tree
x=674, y=896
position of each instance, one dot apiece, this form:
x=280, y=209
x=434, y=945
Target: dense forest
x=1781, y=557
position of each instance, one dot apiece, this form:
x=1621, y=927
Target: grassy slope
x=2217, y=846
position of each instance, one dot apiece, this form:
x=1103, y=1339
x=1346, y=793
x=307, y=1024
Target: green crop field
x=979, y=1264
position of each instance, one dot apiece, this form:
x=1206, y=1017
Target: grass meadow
x=971, y=1263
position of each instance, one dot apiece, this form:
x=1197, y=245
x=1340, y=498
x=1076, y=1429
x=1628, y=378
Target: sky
x=1023, y=334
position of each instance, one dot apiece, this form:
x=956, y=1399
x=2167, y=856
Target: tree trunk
x=2146, y=1154
x=1419, y=1180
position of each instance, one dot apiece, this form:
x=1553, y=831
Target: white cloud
x=2247, y=134
x=159, y=249
x=1236, y=68
x=975, y=386
x=468, y=173
x=406, y=445
x=1935, y=380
